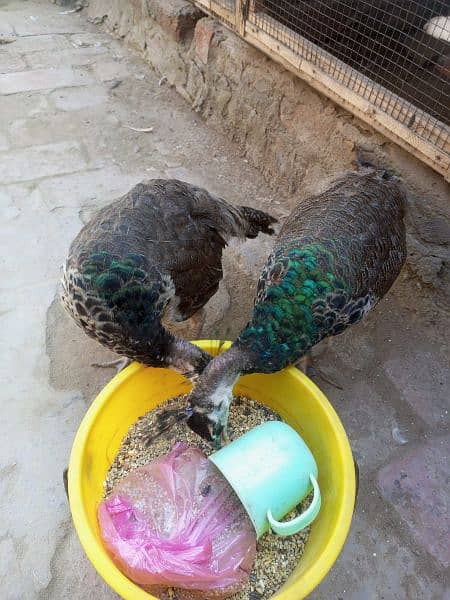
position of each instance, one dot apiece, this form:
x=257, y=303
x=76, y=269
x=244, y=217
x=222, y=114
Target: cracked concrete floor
x=68, y=95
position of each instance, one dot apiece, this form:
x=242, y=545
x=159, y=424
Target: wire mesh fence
x=228, y=4
x=224, y=9
x=394, y=54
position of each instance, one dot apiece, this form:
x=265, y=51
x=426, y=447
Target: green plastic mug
x=272, y=470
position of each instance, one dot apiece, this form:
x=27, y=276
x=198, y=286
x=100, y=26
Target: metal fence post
x=241, y=16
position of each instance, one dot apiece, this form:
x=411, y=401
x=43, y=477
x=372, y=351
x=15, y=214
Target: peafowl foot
x=119, y=364
x=306, y=364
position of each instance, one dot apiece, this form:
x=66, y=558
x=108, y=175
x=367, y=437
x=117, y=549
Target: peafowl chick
x=155, y=254
x=335, y=257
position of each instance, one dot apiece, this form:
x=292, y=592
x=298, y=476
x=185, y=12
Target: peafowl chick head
x=206, y=414
x=209, y=402
x=209, y=415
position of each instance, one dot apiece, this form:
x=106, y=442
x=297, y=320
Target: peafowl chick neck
x=209, y=402
x=185, y=358
x=299, y=299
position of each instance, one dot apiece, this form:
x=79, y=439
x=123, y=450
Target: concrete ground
x=68, y=97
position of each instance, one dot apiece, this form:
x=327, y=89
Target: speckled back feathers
x=337, y=254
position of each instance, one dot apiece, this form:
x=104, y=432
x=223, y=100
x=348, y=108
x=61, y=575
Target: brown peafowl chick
x=156, y=253
x=335, y=257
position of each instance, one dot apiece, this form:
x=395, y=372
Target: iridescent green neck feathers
x=300, y=301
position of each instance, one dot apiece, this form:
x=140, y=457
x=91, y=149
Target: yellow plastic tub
x=301, y=404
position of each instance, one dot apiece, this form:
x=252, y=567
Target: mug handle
x=285, y=528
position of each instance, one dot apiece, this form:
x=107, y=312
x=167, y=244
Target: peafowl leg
x=197, y=321
x=66, y=482
x=306, y=364
x=119, y=364
x=225, y=437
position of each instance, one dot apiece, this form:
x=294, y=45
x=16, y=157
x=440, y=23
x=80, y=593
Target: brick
x=41, y=79
x=94, y=187
x=64, y=58
x=415, y=373
x=377, y=564
x=23, y=209
x=178, y=17
x=41, y=161
x=204, y=33
x=18, y=105
x=92, y=125
x=47, y=129
x=62, y=126
x=26, y=24
x=37, y=43
x=78, y=98
x=368, y=419
x=416, y=486
x=11, y=62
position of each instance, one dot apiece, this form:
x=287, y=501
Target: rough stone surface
x=204, y=32
x=4, y=145
x=11, y=62
x=35, y=43
x=64, y=58
x=420, y=498
x=66, y=151
x=177, y=17
x=78, y=98
x=41, y=161
x=41, y=79
x=432, y=373
x=26, y=23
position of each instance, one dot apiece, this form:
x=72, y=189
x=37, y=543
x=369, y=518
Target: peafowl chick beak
x=202, y=426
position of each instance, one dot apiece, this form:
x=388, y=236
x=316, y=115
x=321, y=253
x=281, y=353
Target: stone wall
x=297, y=138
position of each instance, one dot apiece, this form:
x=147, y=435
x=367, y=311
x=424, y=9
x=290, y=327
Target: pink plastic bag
x=177, y=522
